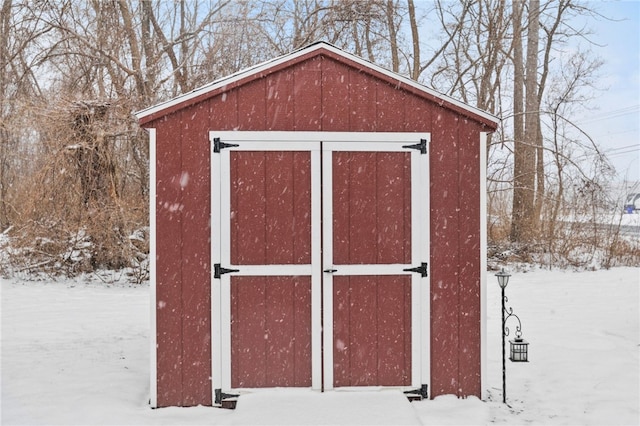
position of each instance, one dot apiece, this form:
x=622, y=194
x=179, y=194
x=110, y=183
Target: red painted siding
x=270, y=208
x=196, y=271
x=445, y=255
x=169, y=264
x=307, y=96
x=184, y=315
x=335, y=88
x=372, y=207
x=270, y=332
x=362, y=103
x=469, y=244
x=280, y=101
x=372, y=330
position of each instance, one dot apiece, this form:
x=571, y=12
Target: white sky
x=615, y=124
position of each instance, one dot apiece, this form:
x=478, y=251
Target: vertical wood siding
x=270, y=329
x=169, y=263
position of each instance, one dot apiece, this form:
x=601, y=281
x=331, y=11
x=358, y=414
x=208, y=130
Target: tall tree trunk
x=563, y=6
x=5, y=16
x=415, y=39
x=517, y=213
x=393, y=36
x=540, y=178
x=526, y=140
x=532, y=117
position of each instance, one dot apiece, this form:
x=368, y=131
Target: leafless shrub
x=587, y=233
x=75, y=216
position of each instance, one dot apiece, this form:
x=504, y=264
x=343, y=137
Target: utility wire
x=617, y=154
x=635, y=146
x=616, y=113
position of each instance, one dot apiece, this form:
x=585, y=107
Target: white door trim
x=425, y=253
x=216, y=287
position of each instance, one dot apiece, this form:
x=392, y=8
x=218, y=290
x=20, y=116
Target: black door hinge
x=422, y=269
x=220, y=396
x=218, y=270
x=423, y=391
x=422, y=146
x=219, y=145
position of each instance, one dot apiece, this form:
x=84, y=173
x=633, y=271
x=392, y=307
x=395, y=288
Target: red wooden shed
x=316, y=221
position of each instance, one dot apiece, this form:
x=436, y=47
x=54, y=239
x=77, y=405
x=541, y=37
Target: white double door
x=320, y=246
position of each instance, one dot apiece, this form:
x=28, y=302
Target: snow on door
x=288, y=270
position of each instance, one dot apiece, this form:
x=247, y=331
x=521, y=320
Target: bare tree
x=475, y=49
x=72, y=72
x=529, y=147
x=5, y=20
x=523, y=213
x=19, y=93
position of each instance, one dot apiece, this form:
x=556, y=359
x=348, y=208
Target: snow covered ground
x=75, y=352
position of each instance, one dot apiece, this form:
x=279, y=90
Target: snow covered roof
x=315, y=49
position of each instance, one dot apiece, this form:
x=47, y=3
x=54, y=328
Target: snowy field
x=75, y=352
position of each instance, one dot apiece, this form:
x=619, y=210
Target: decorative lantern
x=503, y=278
x=519, y=350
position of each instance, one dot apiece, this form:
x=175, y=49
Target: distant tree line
x=74, y=165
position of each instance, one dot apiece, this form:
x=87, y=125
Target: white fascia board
x=285, y=58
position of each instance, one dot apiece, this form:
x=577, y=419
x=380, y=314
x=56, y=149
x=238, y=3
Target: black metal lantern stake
x=519, y=348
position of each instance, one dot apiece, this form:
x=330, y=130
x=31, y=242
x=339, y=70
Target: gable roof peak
x=317, y=47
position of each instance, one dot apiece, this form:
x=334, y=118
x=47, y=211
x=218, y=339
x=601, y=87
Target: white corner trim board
x=153, y=354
